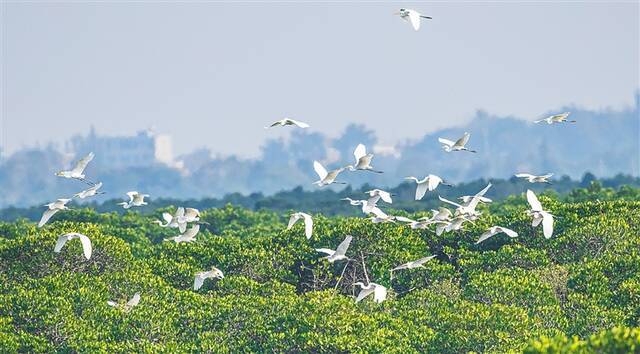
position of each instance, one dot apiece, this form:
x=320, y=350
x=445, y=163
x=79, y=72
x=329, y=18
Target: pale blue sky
x=213, y=74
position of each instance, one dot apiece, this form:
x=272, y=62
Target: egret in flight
x=556, y=118
x=187, y=236
x=367, y=205
x=458, y=145
x=77, y=172
x=86, y=243
x=480, y=196
x=135, y=199
x=54, y=207
x=535, y=179
x=135, y=300
x=201, y=276
x=379, y=292
x=539, y=215
x=412, y=16
x=429, y=183
x=419, y=263
x=326, y=178
x=494, y=230
x=177, y=220
x=89, y=192
x=308, y=223
x=363, y=160
x=288, y=121
x=340, y=252
x=379, y=194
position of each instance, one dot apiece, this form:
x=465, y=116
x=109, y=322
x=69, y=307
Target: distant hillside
x=604, y=143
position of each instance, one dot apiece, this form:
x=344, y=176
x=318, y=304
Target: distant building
x=119, y=152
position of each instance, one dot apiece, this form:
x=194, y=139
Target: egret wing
x=82, y=163
x=359, y=152
x=379, y=293
x=421, y=190
x=299, y=124
x=320, y=170
x=364, y=293
x=198, y=281
x=463, y=141
x=533, y=201
x=547, y=225
x=414, y=18
x=446, y=141
x=344, y=245
x=292, y=220
x=308, y=225
x=46, y=216
x=86, y=245
x=60, y=243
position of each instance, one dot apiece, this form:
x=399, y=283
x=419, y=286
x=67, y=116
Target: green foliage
x=576, y=292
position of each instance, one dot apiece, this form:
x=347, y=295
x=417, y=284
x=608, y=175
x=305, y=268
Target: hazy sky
x=213, y=74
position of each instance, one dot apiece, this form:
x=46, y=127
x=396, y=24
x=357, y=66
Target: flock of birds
x=443, y=219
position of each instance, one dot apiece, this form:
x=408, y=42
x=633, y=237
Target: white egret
x=77, y=172
x=288, y=121
x=135, y=199
x=379, y=292
x=135, y=300
x=441, y=214
x=419, y=263
x=201, y=276
x=177, y=220
x=326, y=178
x=429, y=183
x=89, y=192
x=456, y=223
x=458, y=145
x=367, y=205
x=494, y=230
x=363, y=160
x=466, y=199
x=468, y=209
x=412, y=223
x=380, y=216
x=187, y=236
x=539, y=215
x=54, y=207
x=535, y=179
x=412, y=16
x=86, y=243
x=379, y=194
x=556, y=118
x=340, y=252
x=308, y=222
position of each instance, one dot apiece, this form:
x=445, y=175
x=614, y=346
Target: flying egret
x=441, y=226
x=456, y=223
x=201, y=276
x=191, y=215
x=54, y=207
x=466, y=199
x=458, y=145
x=135, y=300
x=367, y=205
x=326, y=178
x=419, y=263
x=340, y=252
x=441, y=214
x=429, y=183
x=411, y=16
x=539, y=215
x=379, y=292
x=308, y=223
x=288, y=121
x=187, y=236
x=363, y=160
x=135, y=199
x=380, y=216
x=468, y=209
x=77, y=172
x=177, y=220
x=494, y=230
x=380, y=194
x=535, y=179
x=86, y=243
x=556, y=118
x=412, y=223
x=89, y=192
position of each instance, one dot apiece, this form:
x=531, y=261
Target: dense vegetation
x=576, y=292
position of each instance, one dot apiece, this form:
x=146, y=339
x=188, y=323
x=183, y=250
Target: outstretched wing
x=293, y=219
x=386, y=196
x=379, y=293
x=86, y=245
x=547, y=225
x=344, y=245
x=483, y=191
x=508, y=232
x=433, y=182
x=446, y=141
x=198, y=281
x=524, y=175
x=414, y=18
x=82, y=164
x=60, y=243
x=299, y=124
x=364, y=293
x=325, y=250
x=46, y=216
x=132, y=195
x=421, y=190
x=463, y=141
x=450, y=202
x=485, y=236
x=423, y=260
x=193, y=231
x=533, y=201
x=308, y=225
x=135, y=300
x=320, y=170
x=359, y=152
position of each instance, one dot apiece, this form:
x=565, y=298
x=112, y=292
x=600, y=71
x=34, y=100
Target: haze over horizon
x=123, y=67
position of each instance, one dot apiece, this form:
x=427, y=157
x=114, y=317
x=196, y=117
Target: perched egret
x=340, y=252
x=187, y=236
x=556, y=118
x=429, y=183
x=326, y=178
x=89, y=192
x=308, y=223
x=135, y=199
x=201, y=276
x=411, y=16
x=494, y=230
x=363, y=160
x=54, y=207
x=77, y=172
x=380, y=194
x=86, y=243
x=419, y=263
x=379, y=292
x=458, y=145
x=288, y=121
x=539, y=215
x=535, y=179
x=135, y=300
